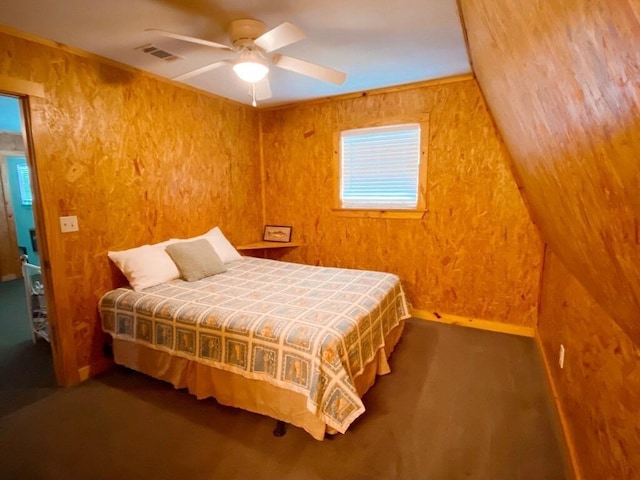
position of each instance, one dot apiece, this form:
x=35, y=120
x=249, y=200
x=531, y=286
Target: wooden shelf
x=267, y=245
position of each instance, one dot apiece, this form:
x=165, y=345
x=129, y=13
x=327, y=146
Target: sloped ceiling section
x=562, y=80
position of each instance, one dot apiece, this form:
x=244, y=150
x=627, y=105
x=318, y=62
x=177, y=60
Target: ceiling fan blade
x=263, y=89
x=309, y=69
x=280, y=36
x=186, y=38
x=198, y=71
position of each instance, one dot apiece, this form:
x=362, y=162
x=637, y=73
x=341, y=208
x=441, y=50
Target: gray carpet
x=26, y=370
x=460, y=404
x=14, y=324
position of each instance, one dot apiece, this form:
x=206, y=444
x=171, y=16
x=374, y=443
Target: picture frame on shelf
x=277, y=233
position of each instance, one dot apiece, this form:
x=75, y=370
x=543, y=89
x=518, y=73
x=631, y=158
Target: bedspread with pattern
x=302, y=328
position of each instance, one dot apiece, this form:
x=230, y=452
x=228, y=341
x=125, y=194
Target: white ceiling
x=377, y=43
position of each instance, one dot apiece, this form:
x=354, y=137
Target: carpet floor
x=14, y=324
x=26, y=370
x=459, y=404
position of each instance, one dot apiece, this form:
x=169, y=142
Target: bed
x=298, y=343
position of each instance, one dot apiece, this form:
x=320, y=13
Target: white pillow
x=147, y=265
x=222, y=246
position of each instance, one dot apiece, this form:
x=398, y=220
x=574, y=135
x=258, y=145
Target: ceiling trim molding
x=378, y=91
x=105, y=61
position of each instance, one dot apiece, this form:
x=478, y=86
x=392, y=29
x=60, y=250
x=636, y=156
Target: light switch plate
x=69, y=224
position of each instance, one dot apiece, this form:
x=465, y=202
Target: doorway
x=26, y=366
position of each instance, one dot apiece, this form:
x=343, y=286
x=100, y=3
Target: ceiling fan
x=251, y=40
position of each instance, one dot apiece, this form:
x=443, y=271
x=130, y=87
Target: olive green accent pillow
x=196, y=259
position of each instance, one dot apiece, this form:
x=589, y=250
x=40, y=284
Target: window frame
x=414, y=213
x=24, y=184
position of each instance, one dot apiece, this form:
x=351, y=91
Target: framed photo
x=34, y=242
x=277, y=233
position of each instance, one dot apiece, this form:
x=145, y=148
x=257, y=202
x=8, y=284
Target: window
x=25, y=184
x=382, y=169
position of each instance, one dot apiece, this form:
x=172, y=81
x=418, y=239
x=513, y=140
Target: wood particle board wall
x=599, y=387
x=137, y=160
x=475, y=254
x=561, y=79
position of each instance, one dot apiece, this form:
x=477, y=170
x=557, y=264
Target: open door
x=9, y=252
x=11, y=147
x=64, y=362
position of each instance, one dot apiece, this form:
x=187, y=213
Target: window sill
x=403, y=214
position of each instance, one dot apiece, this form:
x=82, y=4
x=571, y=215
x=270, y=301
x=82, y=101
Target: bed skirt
x=234, y=390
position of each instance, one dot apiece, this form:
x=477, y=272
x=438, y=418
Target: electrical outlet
x=561, y=356
x=69, y=224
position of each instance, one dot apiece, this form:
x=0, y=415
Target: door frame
x=60, y=333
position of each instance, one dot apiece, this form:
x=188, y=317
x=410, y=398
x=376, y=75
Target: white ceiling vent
x=158, y=52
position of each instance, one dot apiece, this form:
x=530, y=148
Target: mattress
x=305, y=329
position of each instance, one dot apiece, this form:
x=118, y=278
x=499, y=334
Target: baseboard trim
x=6, y=278
x=568, y=448
x=89, y=371
x=490, y=325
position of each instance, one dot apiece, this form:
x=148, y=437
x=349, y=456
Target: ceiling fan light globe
x=251, y=71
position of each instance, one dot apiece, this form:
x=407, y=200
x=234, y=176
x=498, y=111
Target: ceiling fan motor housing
x=243, y=32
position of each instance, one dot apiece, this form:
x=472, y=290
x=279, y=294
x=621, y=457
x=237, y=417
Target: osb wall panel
x=561, y=79
x=476, y=252
x=599, y=387
x=138, y=160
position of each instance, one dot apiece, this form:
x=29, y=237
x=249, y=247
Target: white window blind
x=380, y=167
x=25, y=184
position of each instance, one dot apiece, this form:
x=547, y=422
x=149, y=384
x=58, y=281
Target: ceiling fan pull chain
x=253, y=95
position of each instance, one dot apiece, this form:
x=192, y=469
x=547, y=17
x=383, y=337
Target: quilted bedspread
x=302, y=328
